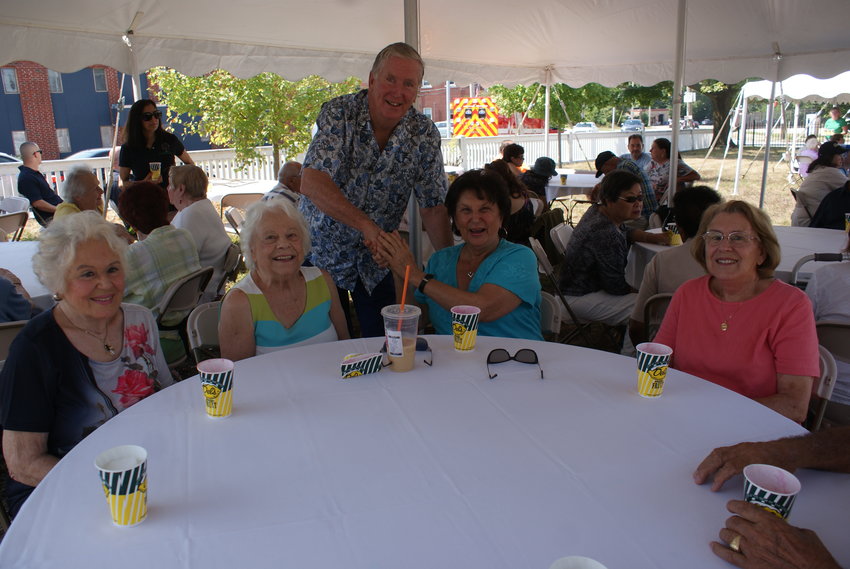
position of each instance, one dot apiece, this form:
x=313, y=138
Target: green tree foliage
x=247, y=113
x=569, y=105
x=722, y=97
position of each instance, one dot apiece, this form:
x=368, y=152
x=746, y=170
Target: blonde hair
x=193, y=179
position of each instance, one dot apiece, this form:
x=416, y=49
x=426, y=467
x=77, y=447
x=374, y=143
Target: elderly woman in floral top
x=76, y=366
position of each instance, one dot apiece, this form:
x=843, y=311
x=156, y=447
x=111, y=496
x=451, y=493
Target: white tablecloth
x=795, y=243
x=577, y=184
x=17, y=257
x=438, y=467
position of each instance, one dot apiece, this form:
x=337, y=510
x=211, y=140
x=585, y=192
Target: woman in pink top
x=738, y=326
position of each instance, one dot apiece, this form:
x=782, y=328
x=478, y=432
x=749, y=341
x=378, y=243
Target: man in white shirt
x=288, y=183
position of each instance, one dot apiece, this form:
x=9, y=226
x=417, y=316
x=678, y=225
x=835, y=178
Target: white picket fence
x=465, y=153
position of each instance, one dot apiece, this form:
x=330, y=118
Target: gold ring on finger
x=735, y=544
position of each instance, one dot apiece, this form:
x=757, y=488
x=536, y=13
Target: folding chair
x=653, y=313
x=537, y=204
x=550, y=315
x=180, y=298
x=242, y=201
x=235, y=218
x=822, y=389
x=560, y=235
x=823, y=257
x=13, y=224
x=202, y=328
x=545, y=267
x=231, y=265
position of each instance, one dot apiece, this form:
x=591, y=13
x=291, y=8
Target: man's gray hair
x=57, y=246
x=398, y=49
x=255, y=214
x=75, y=183
x=291, y=168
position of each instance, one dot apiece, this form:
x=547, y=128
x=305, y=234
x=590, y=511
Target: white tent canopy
x=483, y=41
x=804, y=88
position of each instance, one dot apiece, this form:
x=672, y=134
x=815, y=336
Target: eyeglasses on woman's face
x=146, y=116
x=735, y=238
x=632, y=199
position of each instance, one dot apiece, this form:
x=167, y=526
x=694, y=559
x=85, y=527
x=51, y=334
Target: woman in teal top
x=486, y=271
x=279, y=304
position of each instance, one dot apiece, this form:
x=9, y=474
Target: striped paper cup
x=217, y=384
x=652, y=361
x=124, y=475
x=465, y=327
x=770, y=487
x=354, y=365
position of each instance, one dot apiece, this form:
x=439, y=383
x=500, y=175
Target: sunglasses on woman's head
x=523, y=356
x=151, y=115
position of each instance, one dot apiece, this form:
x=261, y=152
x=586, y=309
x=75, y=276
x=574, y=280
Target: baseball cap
x=544, y=166
x=602, y=159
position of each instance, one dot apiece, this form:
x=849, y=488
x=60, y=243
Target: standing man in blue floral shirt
x=371, y=150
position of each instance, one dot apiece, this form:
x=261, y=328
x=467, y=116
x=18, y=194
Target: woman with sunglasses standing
x=145, y=141
x=738, y=326
x=593, y=277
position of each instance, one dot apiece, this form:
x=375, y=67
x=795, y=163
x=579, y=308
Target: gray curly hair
x=58, y=244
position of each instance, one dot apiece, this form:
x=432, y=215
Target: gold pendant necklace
x=106, y=345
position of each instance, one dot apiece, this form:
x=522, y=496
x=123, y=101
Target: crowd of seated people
x=824, y=176
x=730, y=321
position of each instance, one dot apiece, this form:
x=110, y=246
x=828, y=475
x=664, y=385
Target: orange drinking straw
x=404, y=292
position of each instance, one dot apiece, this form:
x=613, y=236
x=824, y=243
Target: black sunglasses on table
x=523, y=356
x=421, y=346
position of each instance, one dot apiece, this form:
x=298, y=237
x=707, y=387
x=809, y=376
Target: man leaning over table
x=758, y=539
x=33, y=186
x=370, y=151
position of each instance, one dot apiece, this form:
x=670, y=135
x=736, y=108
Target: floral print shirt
x=376, y=181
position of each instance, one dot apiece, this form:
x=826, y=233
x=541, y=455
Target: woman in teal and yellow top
x=279, y=304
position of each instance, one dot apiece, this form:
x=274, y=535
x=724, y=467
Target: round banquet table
x=794, y=242
x=437, y=467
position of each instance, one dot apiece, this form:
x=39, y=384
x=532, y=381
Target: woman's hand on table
x=766, y=541
x=725, y=462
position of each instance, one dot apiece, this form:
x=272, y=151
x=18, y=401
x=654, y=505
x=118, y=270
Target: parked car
x=632, y=125
x=443, y=127
x=6, y=158
x=90, y=153
x=706, y=121
x=585, y=127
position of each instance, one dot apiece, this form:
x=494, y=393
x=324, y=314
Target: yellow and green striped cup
x=652, y=361
x=465, y=327
x=124, y=476
x=217, y=383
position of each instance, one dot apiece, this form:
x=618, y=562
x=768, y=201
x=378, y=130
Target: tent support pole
x=778, y=58
x=414, y=222
x=677, y=98
x=741, y=138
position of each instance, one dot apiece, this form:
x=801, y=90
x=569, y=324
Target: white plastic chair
x=560, y=235
x=13, y=224
x=550, y=315
x=202, y=328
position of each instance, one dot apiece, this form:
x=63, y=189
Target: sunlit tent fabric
x=804, y=88
x=484, y=41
